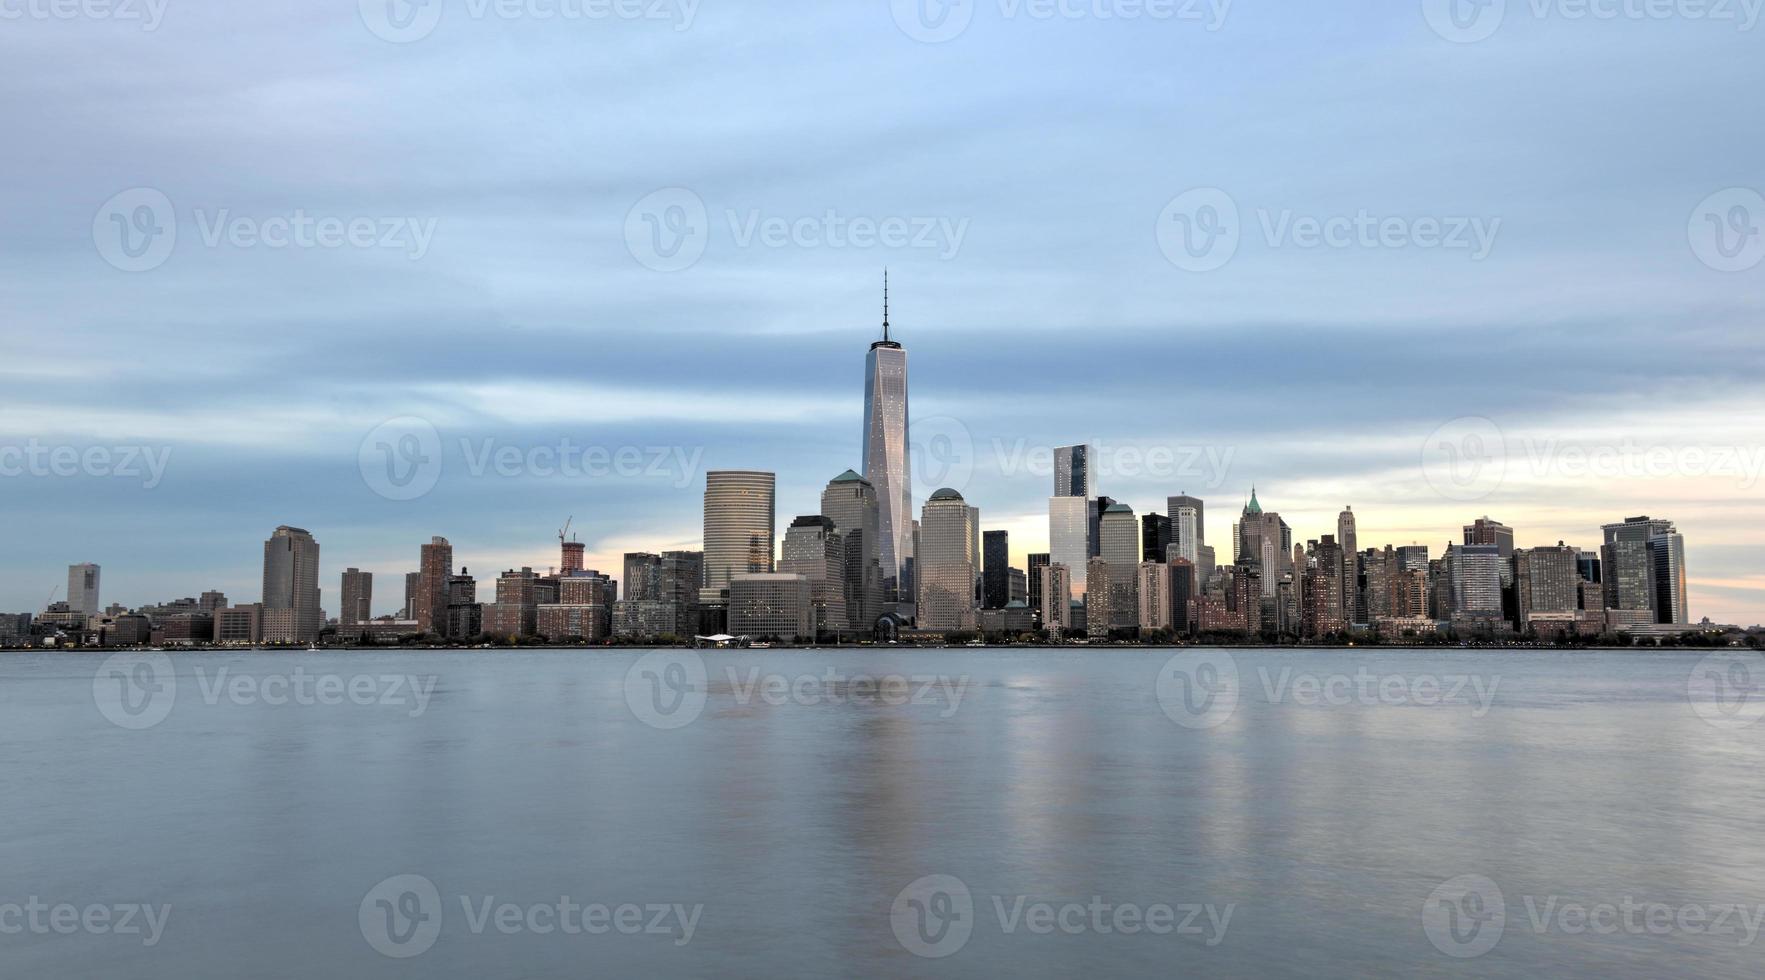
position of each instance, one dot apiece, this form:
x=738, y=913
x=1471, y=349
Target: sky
x=387, y=270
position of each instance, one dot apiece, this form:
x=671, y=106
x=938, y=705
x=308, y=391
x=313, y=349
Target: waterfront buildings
x=357, y=595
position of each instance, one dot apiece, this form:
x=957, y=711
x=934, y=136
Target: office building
x=946, y=563
x=886, y=462
x=815, y=549
x=82, y=589
x=776, y=604
x=850, y=501
x=1155, y=537
x=995, y=569
x=739, y=525
x=291, y=587
x=1118, y=537
x=1054, y=593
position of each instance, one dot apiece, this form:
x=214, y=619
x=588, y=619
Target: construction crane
x=565, y=529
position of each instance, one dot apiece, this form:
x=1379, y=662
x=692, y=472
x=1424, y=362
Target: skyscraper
x=1069, y=512
x=357, y=597
x=1348, y=577
x=946, y=566
x=850, y=502
x=995, y=569
x=291, y=587
x=1118, y=544
x=739, y=524
x=1037, y=562
x=815, y=549
x=82, y=589
x=435, y=568
x=1155, y=537
x=1072, y=472
x=886, y=465
x=1664, y=558
x=1192, y=543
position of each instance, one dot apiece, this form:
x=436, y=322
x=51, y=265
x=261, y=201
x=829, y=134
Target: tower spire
x=885, y=303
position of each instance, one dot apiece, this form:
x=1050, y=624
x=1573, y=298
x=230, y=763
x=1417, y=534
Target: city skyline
x=741, y=536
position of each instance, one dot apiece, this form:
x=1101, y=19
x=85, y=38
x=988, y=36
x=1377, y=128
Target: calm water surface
x=792, y=818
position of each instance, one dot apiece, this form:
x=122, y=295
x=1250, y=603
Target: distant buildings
x=82, y=589
x=771, y=604
x=357, y=597
x=435, y=563
x=1069, y=512
x=815, y=549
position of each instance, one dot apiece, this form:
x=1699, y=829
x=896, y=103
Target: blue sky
x=1556, y=279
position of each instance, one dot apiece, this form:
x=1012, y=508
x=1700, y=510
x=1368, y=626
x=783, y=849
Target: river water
x=546, y=813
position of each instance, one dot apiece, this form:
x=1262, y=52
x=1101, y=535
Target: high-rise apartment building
x=1547, y=581
x=435, y=567
x=1037, y=562
x=643, y=575
x=739, y=524
x=357, y=597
